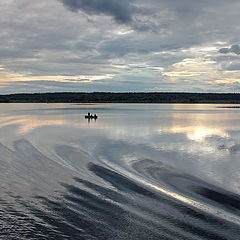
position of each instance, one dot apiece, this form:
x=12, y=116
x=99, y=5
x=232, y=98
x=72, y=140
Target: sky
x=119, y=46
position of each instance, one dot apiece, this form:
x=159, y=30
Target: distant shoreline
x=133, y=97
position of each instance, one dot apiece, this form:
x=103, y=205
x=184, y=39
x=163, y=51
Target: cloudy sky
x=119, y=45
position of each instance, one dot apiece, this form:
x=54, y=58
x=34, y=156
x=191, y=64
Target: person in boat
x=90, y=116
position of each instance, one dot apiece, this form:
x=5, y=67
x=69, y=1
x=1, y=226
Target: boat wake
x=80, y=196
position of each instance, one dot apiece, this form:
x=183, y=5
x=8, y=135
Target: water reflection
x=199, y=133
x=138, y=172
x=123, y=129
x=30, y=123
x=189, y=120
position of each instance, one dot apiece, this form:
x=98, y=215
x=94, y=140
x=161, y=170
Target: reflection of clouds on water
x=123, y=124
x=199, y=133
x=29, y=123
x=171, y=176
x=191, y=139
x=197, y=126
x=215, y=166
x=115, y=208
x=232, y=148
x=122, y=130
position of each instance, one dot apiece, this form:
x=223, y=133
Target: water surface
x=140, y=171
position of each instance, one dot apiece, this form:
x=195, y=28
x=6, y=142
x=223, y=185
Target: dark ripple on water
x=107, y=204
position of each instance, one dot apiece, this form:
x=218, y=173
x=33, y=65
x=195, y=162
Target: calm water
x=145, y=171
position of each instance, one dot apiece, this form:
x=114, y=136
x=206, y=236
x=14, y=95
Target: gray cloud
x=232, y=149
x=232, y=66
x=140, y=17
x=121, y=11
x=136, y=42
x=233, y=49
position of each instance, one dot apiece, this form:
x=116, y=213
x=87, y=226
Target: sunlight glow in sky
x=119, y=46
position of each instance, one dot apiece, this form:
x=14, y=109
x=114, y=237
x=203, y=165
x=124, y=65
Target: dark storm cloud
x=133, y=40
x=233, y=49
x=127, y=12
x=120, y=10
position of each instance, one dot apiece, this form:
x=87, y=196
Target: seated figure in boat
x=90, y=116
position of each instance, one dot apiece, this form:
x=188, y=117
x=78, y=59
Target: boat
x=90, y=116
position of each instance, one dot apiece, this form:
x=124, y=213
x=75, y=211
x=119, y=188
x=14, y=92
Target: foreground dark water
x=138, y=172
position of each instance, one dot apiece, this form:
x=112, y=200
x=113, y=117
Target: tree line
x=108, y=97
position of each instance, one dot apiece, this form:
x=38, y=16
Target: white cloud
x=142, y=45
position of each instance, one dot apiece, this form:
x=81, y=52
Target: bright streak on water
x=140, y=171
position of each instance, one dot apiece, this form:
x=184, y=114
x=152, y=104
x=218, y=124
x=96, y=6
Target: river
x=139, y=171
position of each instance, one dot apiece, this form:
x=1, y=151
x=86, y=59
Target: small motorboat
x=90, y=116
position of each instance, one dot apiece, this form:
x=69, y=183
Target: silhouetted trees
x=108, y=97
